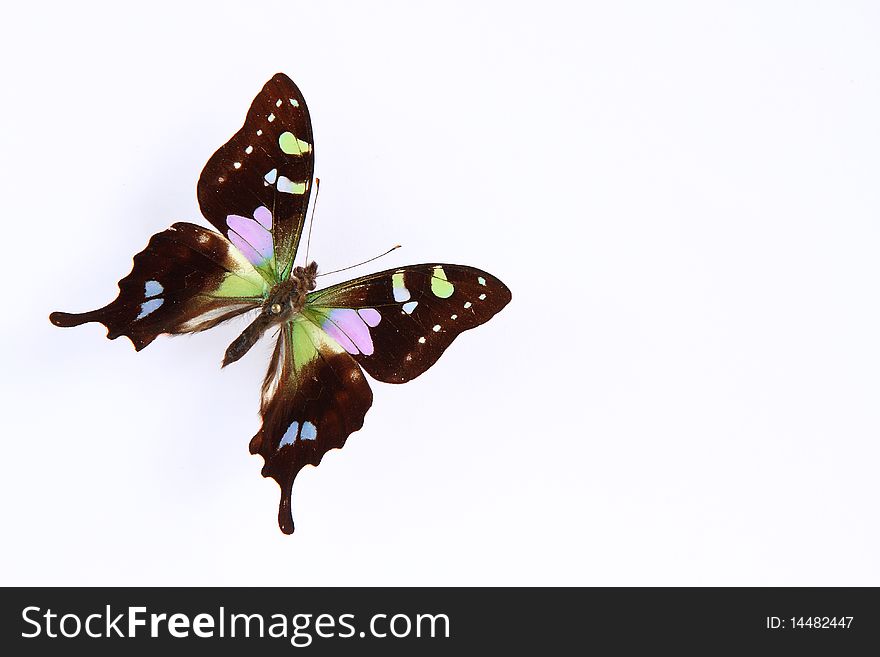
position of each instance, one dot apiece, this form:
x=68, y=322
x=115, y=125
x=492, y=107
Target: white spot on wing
x=436, y=328
x=249, y=150
x=271, y=118
x=482, y=297
x=422, y=340
x=275, y=380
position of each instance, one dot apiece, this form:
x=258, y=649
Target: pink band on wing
x=350, y=330
x=252, y=237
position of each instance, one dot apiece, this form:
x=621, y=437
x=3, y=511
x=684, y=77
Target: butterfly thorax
x=288, y=297
x=285, y=300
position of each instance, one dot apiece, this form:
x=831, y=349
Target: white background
x=683, y=198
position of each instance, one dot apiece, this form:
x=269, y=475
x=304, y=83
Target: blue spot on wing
x=309, y=431
x=152, y=289
x=289, y=435
x=149, y=306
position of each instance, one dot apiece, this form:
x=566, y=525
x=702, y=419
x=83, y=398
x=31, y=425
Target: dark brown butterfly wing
x=395, y=324
x=255, y=189
x=187, y=279
x=314, y=396
x=398, y=322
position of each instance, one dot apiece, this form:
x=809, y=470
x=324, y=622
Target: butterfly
x=393, y=324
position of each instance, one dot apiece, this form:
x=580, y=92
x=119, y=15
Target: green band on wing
x=308, y=338
x=304, y=350
x=242, y=285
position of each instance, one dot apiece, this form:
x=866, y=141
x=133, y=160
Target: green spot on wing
x=291, y=145
x=439, y=285
x=289, y=187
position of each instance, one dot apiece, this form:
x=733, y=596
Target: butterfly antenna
x=312, y=220
x=336, y=271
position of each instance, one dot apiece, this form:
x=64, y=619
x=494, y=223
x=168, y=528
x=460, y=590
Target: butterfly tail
x=72, y=319
x=285, y=516
x=285, y=513
x=108, y=316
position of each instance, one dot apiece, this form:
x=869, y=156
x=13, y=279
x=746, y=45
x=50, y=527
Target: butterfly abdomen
x=248, y=338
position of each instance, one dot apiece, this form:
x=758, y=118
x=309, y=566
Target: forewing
x=314, y=396
x=187, y=279
x=398, y=322
x=255, y=188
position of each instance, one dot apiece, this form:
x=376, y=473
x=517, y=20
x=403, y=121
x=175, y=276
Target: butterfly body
x=284, y=302
x=392, y=325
